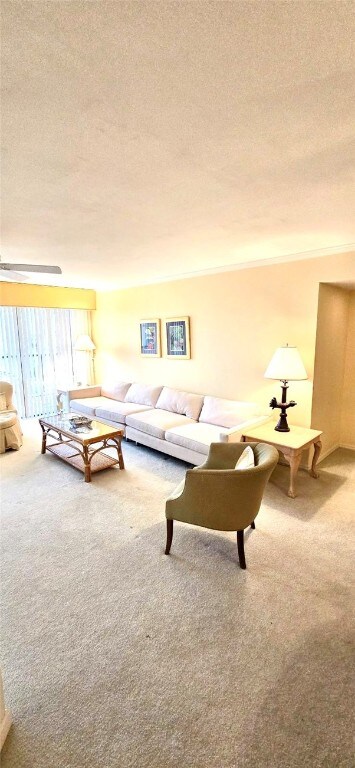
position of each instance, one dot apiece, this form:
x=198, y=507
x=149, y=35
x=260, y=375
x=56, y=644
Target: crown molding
x=267, y=261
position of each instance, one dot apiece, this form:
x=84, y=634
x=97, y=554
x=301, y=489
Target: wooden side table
x=72, y=391
x=291, y=444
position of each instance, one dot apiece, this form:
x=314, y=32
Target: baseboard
x=5, y=726
x=324, y=454
x=335, y=448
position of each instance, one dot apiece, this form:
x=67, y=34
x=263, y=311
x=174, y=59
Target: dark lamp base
x=282, y=425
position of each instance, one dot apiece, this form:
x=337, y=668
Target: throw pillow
x=246, y=459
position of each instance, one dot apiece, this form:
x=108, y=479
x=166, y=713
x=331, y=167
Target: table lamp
x=85, y=344
x=285, y=365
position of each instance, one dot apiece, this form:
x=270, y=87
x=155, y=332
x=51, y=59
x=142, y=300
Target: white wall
x=237, y=318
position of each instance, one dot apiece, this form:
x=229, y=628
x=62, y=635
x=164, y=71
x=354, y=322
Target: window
x=36, y=354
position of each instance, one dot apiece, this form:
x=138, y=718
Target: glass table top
x=95, y=430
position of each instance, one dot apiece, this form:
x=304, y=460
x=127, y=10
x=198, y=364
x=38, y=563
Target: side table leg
x=87, y=465
x=317, y=450
x=60, y=406
x=294, y=460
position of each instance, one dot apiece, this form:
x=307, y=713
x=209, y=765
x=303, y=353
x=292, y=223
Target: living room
x=113, y=653
x=304, y=302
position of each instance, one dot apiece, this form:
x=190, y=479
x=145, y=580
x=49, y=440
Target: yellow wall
x=329, y=368
x=347, y=434
x=237, y=320
x=23, y=295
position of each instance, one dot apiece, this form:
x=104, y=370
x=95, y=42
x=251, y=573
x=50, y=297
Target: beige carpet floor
x=116, y=656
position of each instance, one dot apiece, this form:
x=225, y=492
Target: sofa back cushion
x=116, y=391
x=228, y=413
x=143, y=394
x=176, y=401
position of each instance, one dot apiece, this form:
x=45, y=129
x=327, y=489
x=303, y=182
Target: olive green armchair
x=218, y=496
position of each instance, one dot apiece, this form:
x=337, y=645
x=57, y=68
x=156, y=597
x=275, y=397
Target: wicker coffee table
x=83, y=448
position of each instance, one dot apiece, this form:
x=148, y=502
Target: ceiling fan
x=12, y=271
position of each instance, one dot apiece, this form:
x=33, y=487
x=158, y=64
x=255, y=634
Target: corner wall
x=329, y=367
x=347, y=432
x=237, y=319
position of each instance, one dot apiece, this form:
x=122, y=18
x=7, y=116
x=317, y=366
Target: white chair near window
x=10, y=429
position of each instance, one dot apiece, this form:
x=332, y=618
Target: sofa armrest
x=90, y=391
x=234, y=434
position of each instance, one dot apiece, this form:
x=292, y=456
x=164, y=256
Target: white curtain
x=10, y=361
x=36, y=354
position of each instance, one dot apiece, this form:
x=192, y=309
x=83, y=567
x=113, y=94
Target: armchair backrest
x=6, y=389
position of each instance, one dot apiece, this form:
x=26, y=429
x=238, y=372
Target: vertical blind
x=37, y=355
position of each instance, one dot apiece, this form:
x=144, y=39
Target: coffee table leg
x=117, y=442
x=317, y=450
x=44, y=438
x=294, y=460
x=87, y=464
x=120, y=454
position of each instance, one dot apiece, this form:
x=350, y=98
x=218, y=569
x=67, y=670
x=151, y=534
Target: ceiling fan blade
x=32, y=268
x=10, y=275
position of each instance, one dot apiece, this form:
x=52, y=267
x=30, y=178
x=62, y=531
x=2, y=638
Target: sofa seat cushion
x=143, y=394
x=228, y=413
x=113, y=410
x=197, y=437
x=185, y=403
x=156, y=421
x=87, y=405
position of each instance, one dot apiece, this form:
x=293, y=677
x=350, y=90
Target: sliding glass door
x=36, y=354
x=10, y=358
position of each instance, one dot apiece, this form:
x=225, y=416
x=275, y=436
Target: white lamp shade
x=84, y=344
x=286, y=365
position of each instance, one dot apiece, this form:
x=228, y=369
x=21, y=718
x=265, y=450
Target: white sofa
x=181, y=424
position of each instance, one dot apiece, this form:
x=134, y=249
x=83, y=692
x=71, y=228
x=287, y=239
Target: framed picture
x=177, y=337
x=150, y=337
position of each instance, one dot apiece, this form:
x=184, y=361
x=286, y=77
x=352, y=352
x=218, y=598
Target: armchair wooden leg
x=240, y=542
x=169, y=535
x=252, y=525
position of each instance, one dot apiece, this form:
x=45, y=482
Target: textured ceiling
x=143, y=140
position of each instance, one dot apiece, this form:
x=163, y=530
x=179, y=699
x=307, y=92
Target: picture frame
x=150, y=338
x=177, y=338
